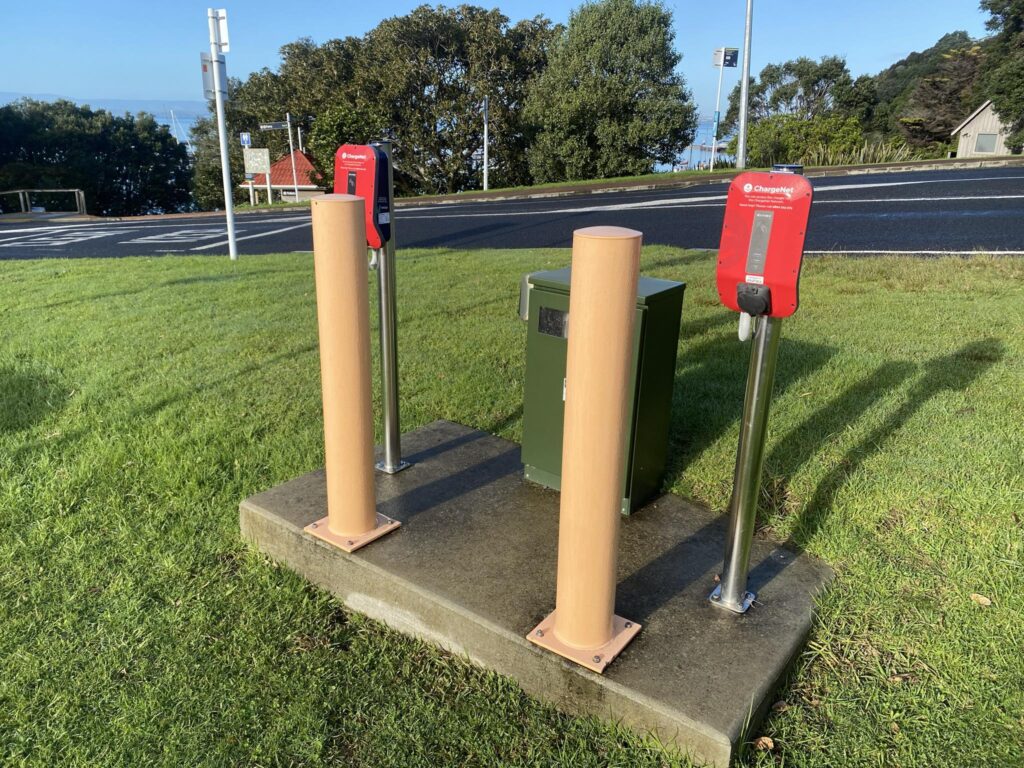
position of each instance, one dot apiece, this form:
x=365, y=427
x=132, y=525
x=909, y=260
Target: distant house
x=982, y=134
x=282, y=185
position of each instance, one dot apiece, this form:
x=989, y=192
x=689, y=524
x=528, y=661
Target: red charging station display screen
x=763, y=239
x=362, y=170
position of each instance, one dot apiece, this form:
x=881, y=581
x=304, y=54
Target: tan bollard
x=343, y=314
x=602, y=308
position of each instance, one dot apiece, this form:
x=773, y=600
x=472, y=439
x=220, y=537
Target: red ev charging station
x=763, y=243
x=759, y=262
x=362, y=170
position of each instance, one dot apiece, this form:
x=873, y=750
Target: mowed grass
x=142, y=399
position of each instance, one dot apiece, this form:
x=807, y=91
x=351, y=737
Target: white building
x=982, y=134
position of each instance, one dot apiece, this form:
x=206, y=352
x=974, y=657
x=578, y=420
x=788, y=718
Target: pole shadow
x=707, y=398
x=26, y=398
x=950, y=373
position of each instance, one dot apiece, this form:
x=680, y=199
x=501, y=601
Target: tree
x=895, y=84
x=787, y=138
x=940, y=101
x=1003, y=71
x=803, y=88
x=339, y=124
x=125, y=165
x=610, y=102
x=426, y=74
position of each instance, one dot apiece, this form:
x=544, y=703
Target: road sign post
x=486, y=148
x=741, y=141
x=258, y=161
x=218, y=23
x=724, y=57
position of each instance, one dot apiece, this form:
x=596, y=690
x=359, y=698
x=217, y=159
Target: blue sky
x=133, y=50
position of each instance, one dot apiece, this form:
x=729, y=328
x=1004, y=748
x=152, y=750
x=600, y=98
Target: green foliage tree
x=425, y=75
x=610, y=102
x=339, y=124
x=1003, y=70
x=940, y=101
x=803, y=88
x=896, y=84
x=788, y=138
x=125, y=165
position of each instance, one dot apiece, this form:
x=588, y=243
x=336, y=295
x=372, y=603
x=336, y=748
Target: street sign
x=245, y=139
x=207, y=66
x=278, y=126
x=726, y=57
x=256, y=160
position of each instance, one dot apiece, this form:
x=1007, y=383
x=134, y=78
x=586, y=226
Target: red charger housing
x=763, y=240
x=362, y=170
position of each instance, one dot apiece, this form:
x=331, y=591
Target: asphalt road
x=924, y=213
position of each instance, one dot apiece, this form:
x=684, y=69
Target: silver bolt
x=539, y=633
x=716, y=597
x=597, y=659
x=629, y=624
x=314, y=525
x=350, y=542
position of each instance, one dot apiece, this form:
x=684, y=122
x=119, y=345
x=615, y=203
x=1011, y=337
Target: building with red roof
x=282, y=185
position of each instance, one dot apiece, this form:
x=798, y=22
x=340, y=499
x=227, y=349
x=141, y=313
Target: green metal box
x=659, y=305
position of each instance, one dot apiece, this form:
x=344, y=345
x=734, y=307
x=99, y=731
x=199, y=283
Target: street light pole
x=486, y=142
x=291, y=154
x=718, y=103
x=741, y=143
x=217, y=45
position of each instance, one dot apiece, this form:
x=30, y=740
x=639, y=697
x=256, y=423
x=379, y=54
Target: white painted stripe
x=250, y=237
x=874, y=184
x=883, y=252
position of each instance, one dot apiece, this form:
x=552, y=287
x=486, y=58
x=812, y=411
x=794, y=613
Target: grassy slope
x=144, y=397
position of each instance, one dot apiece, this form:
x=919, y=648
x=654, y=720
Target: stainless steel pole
x=392, y=462
x=731, y=593
x=741, y=142
x=487, y=156
x=291, y=154
x=718, y=111
x=219, y=91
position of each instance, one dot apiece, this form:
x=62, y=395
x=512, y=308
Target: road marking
x=179, y=236
x=57, y=239
x=884, y=252
x=874, y=184
x=250, y=237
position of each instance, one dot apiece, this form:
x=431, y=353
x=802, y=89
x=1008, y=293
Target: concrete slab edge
x=403, y=606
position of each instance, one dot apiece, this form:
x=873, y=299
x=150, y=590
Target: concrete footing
x=472, y=569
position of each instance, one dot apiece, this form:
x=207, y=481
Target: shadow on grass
x=951, y=373
x=26, y=398
x=708, y=394
x=151, y=409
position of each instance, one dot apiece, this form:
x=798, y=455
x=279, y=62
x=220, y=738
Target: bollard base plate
x=716, y=600
x=594, y=659
x=319, y=529
x=381, y=466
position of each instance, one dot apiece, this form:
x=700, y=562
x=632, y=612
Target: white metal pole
x=718, y=113
x=222, y=131
x=741, y=142
x=291, y=154
x=298, y=129
x=486, y=142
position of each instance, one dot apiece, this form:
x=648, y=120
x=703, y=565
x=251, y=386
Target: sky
x=142, y=50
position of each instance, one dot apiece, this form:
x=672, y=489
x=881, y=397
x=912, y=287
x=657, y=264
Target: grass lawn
x=143, y=398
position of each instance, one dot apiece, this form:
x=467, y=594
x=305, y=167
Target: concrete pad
x=472, y=569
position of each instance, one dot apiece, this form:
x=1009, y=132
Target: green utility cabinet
x=659, y=305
